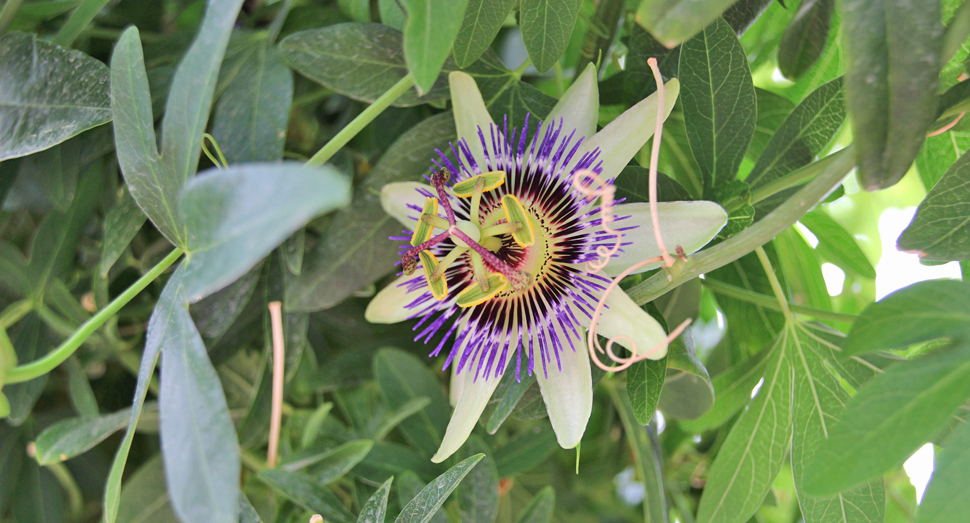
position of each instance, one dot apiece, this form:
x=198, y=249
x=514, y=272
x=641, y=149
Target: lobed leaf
x=940, y=231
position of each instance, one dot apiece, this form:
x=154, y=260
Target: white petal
x=579, y=106
x=624, y=137
x=625, y=318
x=454, y=391
x=388, y=305
x=568, y=394
x=690, y=225
x=470, y=113
x=474, y=396
x=395, y=198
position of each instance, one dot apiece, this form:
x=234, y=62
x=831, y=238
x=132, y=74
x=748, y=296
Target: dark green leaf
x=893, y=65
x=68, y=438
x=921, y=312
x=809, y=128
x=161, y=332
x=540, y=509
x=429, y=33
x=333, y=464
x=773, y=110
x=750, y=326
x=22, y=396
x=429, y=500
x=144, y=497
x=633, y=184
x=376, y=507
x=525, y=450
x=39, y=498
x=236, y=216
x=889, y=418
x=478, y=497
x=47, y=94
x=509, y=397
x=355, y=251
x=309, y=494
x=744, y=13
x=756, y=447
x=940, y=231
x=735, y=196
x=402, y=378
x=939, y=153
x=732, y=388
x=483, y=19
x=251, y=116
x=837, y=245
x=390, y=459
x=804, y=40
x=806, y=285
x=819, y=402
x=201, y=450
x=647, y=460
x=121, y=224
x=644, y=381
x=215, y=314
x=687, y=391
x=50, y=174
x=720, y=106
x=409, y=486
x=945, y=500
x=676, y=21
x=546, y=27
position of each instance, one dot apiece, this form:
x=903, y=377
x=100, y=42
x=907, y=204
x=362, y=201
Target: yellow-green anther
x=437, y=221
x=474, y=295
x=447, y=261
x=439, y=286
x=500, y=229
x=490, y=180
x=478, y=268
x=477, y=199
x=516, y=213
x=423, y=229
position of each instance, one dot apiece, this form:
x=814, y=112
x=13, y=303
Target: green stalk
x=7, y=15
x=767, y=301
x=79, y=19
x=44, y=365
x=828, y=173
x=364, y=118
x=775, y=285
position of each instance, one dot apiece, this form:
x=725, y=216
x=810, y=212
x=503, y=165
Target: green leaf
x=819, y=402
x=837, y=245
x=201, y=456
x=478, y=497
x=306, y=492
x=361, y=61
x=402, y=378
x=720, y=106
x=79, y=19
x=756, y=447
x=234, y=217
x=750, y=326
x=802, y=270
x=546, y=28
x=121, y=224
x=375, y=509
x=676, y=21
x=215, y=314
x=633, y=184
x=773, y=110
x=161, y=332
x=687, y=391
x=47, y=94
x=482, y=22
x=429, y=33
x=945, y=499
x=921, y=312
x=803, y=135
x=54, y=171
x=334, y=463
x=355, y=252
x=939, y=153
x=892, y=50
x=540, y=509
x=23, y=396
x=648, y=464
x=71, y=437
x=251, y=116
x=409, y=485
x=940, y=231
x=145, y=495
x=428, y=501
x=391, y=14
x=508, y=397
x=732, y=388
x=890, y=417
x=644, y=381
x=389, y=459
x=525, y=450
x=805, y=38
x=39, y=498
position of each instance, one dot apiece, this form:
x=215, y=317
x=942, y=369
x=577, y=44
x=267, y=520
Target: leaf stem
x=7, y=15
x=775, y=285
x=522, y=68
x=560, y=81
x=70, y=486
x=364, y=118
x=14, y=312
x=44, y=365
x=828, y=172
x=769, y=302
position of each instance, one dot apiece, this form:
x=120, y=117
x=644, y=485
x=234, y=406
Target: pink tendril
x=590, y=184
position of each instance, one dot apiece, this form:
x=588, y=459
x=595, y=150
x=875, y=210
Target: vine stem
x=755, y=298
x=364, y=118
x=828, y=172
x=54, y=358
x=775, y=285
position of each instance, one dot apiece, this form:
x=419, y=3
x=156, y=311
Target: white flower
x=502, y=239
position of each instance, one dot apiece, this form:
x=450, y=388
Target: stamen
x=407, y=259
x=478, y=267
x=438, y=286
x=437, y=221
x=489, y=181
x=448, y=261
x=475, y=295
x=422, y=231
x=520, y=280
x=515, y=213
x=501, y=228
